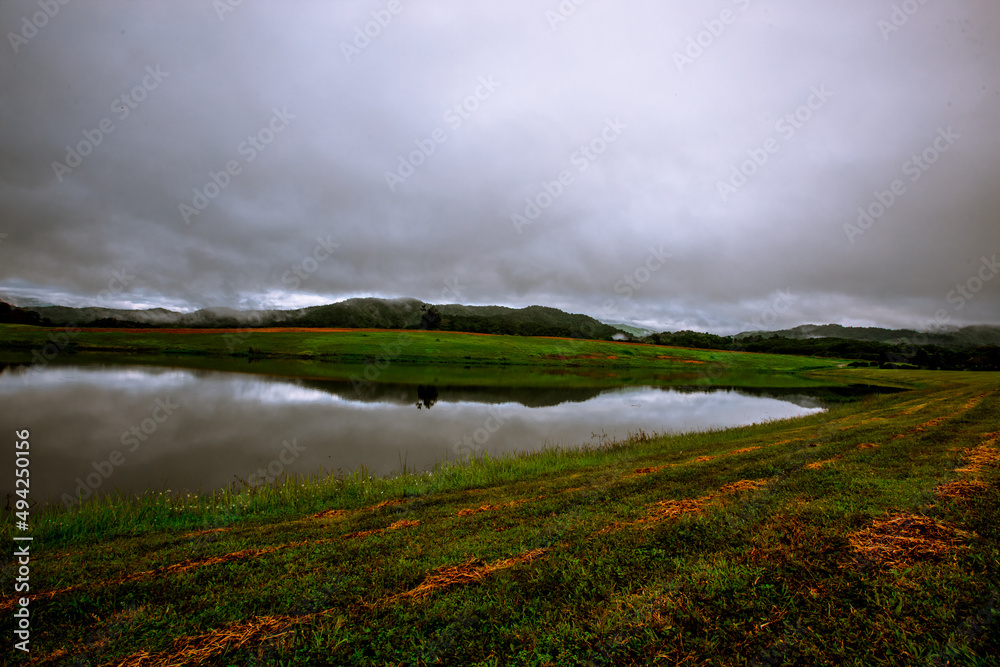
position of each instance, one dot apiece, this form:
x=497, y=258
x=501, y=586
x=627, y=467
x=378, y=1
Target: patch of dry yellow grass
x=198, y=649
x=962, y=489
x=976, y=458
x=974, y=402
x=204, y=532
x=639, y=472
x=744, y=450
x=863, y=422
x=816, y=465
x=671, y=509
x=920, y=428
x=468, y=572
x=405, y=523
x=492, y=508
x=167, y=569
x=903, y=539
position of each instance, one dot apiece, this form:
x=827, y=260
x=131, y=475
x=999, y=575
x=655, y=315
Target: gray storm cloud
x=699, y=165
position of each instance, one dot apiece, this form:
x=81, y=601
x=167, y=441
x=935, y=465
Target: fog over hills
x=964, y=337
x=351, y=313
x=415, y=314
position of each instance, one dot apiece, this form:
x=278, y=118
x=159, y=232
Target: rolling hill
x=361, y=313
x=964, y=338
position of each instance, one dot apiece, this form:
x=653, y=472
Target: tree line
x=866, y=353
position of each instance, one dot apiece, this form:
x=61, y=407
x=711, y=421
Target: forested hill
x=13, y=315
x=960, y=350
x=964, y=338
x=362, y=313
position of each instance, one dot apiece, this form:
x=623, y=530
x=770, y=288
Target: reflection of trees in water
x=811, y=397
x=427, y=395
x=536, y=397
x=531, y=396
x=402, y=394
x=13, y=367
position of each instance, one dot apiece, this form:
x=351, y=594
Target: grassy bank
x=865, y=535
x=387, y=348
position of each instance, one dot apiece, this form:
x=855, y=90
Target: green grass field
x=865, y=535
x=402, y=347
x=414, y=357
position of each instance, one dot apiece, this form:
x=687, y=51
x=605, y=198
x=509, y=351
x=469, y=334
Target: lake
x=100, y=429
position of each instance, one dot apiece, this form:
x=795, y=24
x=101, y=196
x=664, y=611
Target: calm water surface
x=130, y=429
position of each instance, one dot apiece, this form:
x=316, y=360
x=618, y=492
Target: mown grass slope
x=417, y=357
x=864, y=535
x=354, y=346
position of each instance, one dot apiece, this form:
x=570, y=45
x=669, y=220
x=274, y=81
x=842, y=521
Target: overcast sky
x=679, y=164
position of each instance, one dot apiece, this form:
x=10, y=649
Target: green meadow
x=864, y=535
x=412, y=356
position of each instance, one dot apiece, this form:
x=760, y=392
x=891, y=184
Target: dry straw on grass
x=201, y=562
x=468, y=572
x=198, y=533
x=932, y=423
x=492, y=508
x=639, y=472
x=962, y=489
x=405, y=523
x=744, y=450
x=8, y=603
x=742, y=485
x=980, y=457
x=976, y=458
x=906, y=538
x=384, y=503
x=816, y=465
x=973, y=402
x=476, y=510
x=199, y=649
x=167, y=569
x=863, y=422
x=920, y=428
x=671, y=509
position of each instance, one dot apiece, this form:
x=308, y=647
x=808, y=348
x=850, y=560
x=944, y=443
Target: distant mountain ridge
x=359, y=313
x=963, y=338
x=970, y=348
x=406, y=313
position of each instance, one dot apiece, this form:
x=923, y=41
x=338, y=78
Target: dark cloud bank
x=682, y=165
